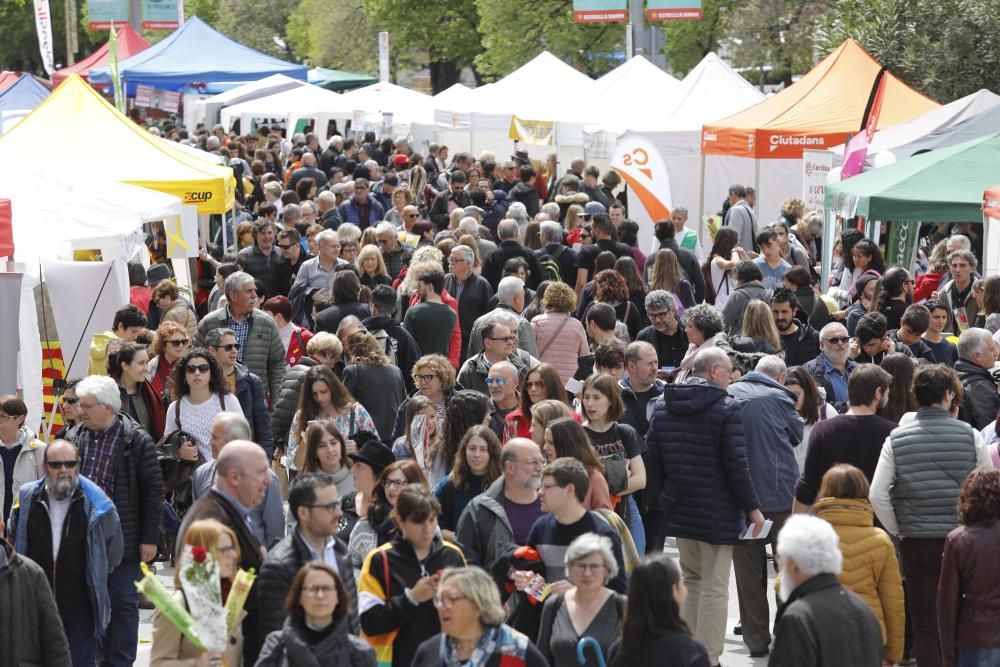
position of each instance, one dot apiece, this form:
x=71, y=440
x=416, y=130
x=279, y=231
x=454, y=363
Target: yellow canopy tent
x=76, y=131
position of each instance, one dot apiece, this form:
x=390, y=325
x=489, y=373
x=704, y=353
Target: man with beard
x=800, y=343
x=832, y=369
x=67, y=524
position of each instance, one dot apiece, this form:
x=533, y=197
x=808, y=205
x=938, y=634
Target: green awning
x=945, y=185
x=337, y=80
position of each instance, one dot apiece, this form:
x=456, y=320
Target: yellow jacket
x=870, y=567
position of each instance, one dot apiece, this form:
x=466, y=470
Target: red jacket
x=297, y=345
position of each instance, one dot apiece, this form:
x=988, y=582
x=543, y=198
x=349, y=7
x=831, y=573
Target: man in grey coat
x=742, y=217
x=260, y=347
x=772, y=428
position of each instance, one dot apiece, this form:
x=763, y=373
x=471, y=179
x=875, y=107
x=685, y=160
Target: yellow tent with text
x=75, y=131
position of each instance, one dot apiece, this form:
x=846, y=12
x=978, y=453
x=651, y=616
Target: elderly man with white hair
x=553, y=247
x=977, y=353
x=326, y=203
x=772, y=428
x=821, y=622
x=510, y=301
x=510, y=247
x=469, y=225
x=469, y=288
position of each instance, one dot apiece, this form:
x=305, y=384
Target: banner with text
x=161, y=14
x=102, y=14
x=43, y=24
x=600, y=11
x=816, y=166
x=154, y=98
x=673, y=10
x=533, y=132
x=902, y=243
x=640, y=163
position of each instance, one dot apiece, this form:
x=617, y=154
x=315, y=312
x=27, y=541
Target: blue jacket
x=697, y=478
x=104, y=540
x=251, y=395
x=772, y=428
x=349, y=212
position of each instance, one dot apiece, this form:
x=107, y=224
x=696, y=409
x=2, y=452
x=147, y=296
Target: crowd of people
x=488, y=409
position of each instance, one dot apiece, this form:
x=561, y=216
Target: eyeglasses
x=496, y=381
x=456, y=260
x=424, y=378
x=447, y=600
x=838, y=340
x=58, y=465
x=329, y=507
x=286, y=247
x=197, y=368
x=662, y=315
x=506, y=339
x=534, y=384
x=69, y=400
x=316, y=591
x=179, y=342
x=394, y=483
x=8, y=417
x=587, y=567
x=228, y=348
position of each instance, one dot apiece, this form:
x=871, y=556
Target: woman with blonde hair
x=759, y=333
x=170, y=648
x=373, y=381
x=543, y=413
x=371, y=267
x=560, y=337
x=401, y=198
x=666, y=275
x=572, y=224
x=170, y=344
x=870, y=568
x=792, y=210
x=455, y=217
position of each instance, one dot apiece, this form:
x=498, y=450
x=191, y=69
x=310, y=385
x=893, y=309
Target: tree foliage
x=19, y=46
x=776, y=33
x=515, y=31
x=943, y=48
x=687, y=42
x=336, y=35
x=256, y=23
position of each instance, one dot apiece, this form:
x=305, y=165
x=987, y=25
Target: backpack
x=550, y=265
x=387, y=343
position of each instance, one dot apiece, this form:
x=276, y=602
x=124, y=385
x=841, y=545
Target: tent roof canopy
x=711, y=90
x=539, y=81
x=339, y=80
x=945, y=185
x=26, y=93
x=9, y=78
x=406, y=106
x=130, y=43
x=197, y=52
x=92, y=137
x=266, y=86
x=817, y=112
x=302, y=101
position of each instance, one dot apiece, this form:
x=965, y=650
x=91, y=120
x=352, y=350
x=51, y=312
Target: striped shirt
x=98, y=453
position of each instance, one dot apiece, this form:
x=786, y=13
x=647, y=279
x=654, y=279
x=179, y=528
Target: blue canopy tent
x=196, y=53
x=17, y=101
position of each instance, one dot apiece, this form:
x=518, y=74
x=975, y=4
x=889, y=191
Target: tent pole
x=701, y=203
x=756, y=183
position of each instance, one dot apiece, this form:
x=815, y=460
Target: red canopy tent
x=129, y=43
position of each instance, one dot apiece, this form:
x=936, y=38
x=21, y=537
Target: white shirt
x=196, y=420
x=885, y=477
x=58, y=509
x=329, y=555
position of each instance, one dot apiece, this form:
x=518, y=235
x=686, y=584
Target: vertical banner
x=902, y=243
x=116, y=79
x=673, y=10
x=10, y=296
x=641, y=166
x=857, y=148
x=383, y=57
x=600, y=11
x=43, y=24
x=160, y=15
x=6, y=230
x=103, y=14
x=816, y=166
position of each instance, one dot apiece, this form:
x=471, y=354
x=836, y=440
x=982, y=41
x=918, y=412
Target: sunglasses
x=496, y=381
x=70, y=401
x=197, y=368
x=180, y=342
x=57, y=465
x=286, y=247
x=228, y=348
x=838, y=340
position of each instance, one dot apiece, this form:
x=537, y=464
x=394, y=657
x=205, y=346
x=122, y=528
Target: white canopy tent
x=887, y=143
x=50, y=220
x=406, y=106
x=208, y=110
x=289, y=105
x=710, y=91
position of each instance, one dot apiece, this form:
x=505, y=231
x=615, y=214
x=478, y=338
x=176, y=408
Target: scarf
x=498, y=640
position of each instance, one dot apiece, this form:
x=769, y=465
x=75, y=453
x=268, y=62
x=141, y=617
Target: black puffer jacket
x=138, y=493
x=981, y=402
x=698, y=478
x=288, y=401
x=278, y=571
x=289, y=647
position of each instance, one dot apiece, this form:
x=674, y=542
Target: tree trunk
x=444, y=74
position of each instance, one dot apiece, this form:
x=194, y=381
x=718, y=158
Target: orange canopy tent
x=818, y=111
x=129, y=43
x=762, y=146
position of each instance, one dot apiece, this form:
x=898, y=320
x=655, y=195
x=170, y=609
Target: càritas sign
x=641, y=166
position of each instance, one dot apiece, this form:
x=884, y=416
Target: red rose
x=199, y=554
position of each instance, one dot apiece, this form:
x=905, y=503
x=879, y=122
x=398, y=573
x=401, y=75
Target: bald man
x=308, y=170
x=242, y=475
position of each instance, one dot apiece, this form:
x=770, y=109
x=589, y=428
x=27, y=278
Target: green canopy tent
x=337, y=80
x=945, y=185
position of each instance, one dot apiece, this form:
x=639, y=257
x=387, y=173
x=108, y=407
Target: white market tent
x=208, y=110
x=890, y=144
x=482, y=121
x=289, y=105
x=710, y=91
x=406, y=106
